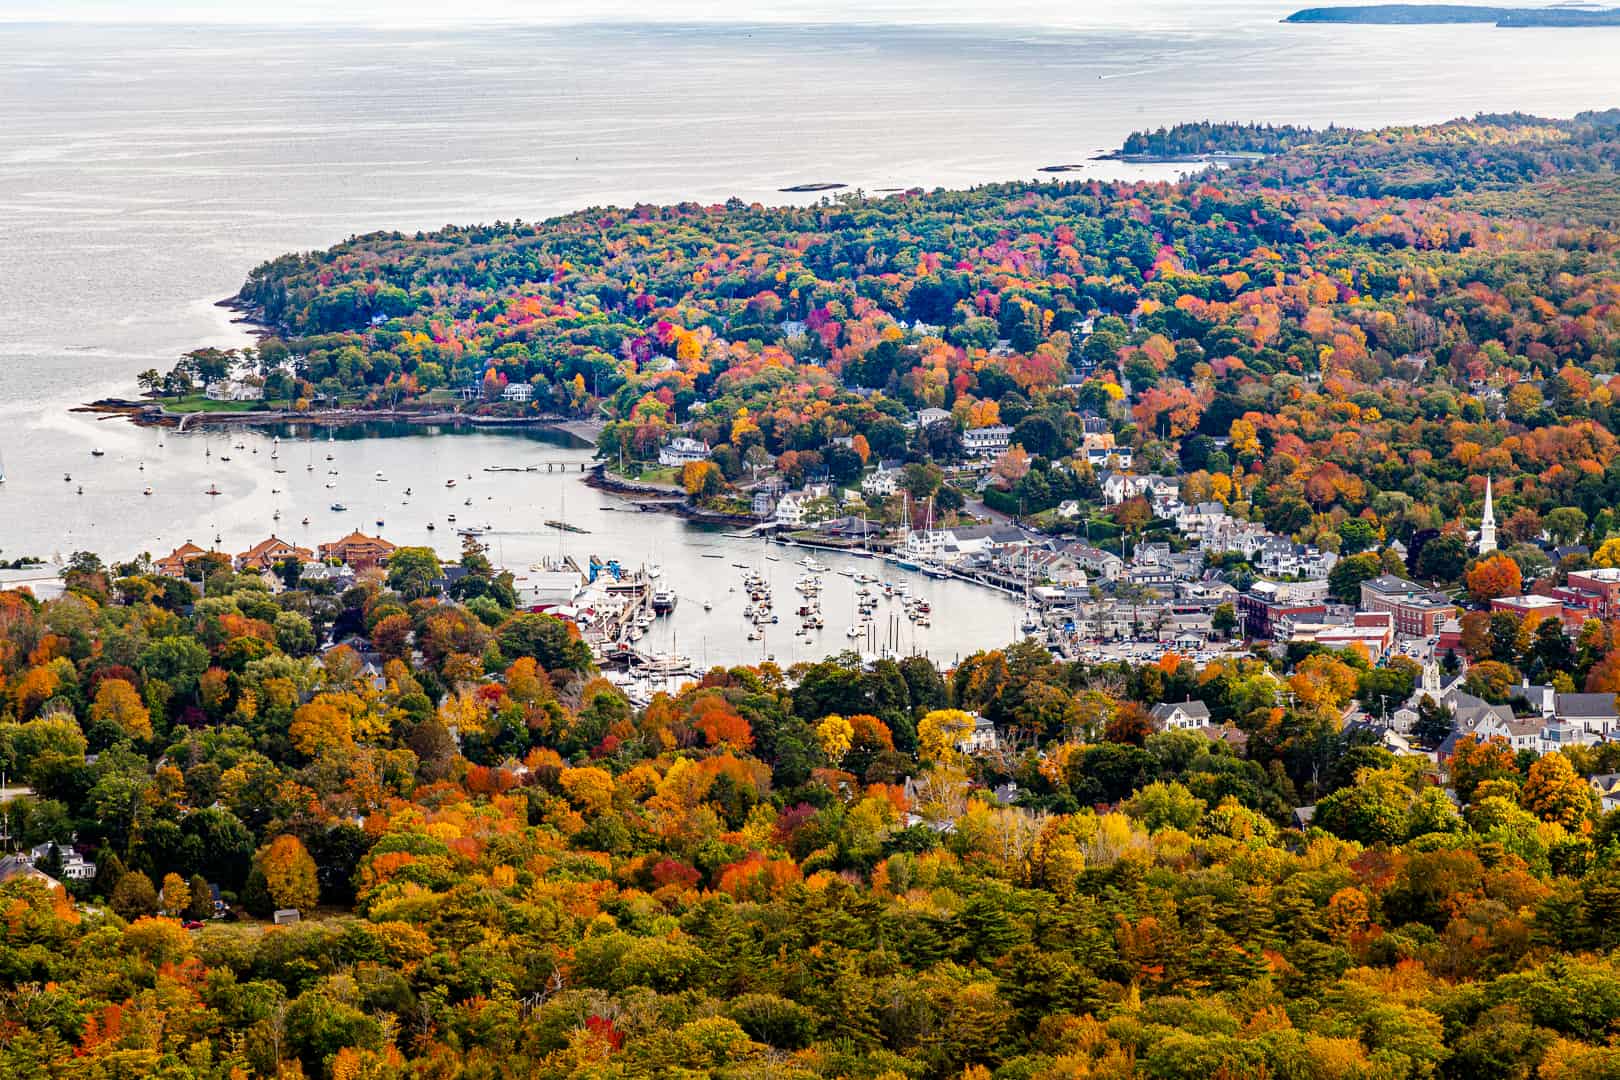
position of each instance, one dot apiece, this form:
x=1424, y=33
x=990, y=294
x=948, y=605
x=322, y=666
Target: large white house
x=790, y=509
x=683, y=451
x=987, y=440
x=519, y=391
x=882, y=482
x=232, y=390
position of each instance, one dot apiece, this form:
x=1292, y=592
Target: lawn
x=193, y=403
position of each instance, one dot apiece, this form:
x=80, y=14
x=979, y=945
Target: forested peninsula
x=382, y=822
x=1447, y=14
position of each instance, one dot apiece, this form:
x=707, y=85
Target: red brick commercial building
x=1417, y=611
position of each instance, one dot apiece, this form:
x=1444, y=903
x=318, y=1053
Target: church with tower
x=1487, y=523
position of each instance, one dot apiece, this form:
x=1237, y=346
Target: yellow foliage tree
x=835, y=736
x=590, y=789
x=1554, y=792
x=118, y=703
x=176, y=894
x=289, y=873
x=939, y=731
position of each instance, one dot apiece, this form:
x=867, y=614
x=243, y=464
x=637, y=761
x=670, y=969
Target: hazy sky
x=1054, y=13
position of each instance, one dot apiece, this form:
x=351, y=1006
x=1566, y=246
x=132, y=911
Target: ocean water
x=144, y=170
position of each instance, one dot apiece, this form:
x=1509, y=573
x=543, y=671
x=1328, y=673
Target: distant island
x=824, y=186
x=1446, y=14
x=1204, y=141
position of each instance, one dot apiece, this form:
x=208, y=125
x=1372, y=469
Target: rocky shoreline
x=153, y=414
x=661, y=498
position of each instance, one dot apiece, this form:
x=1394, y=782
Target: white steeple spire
x=1487, y=523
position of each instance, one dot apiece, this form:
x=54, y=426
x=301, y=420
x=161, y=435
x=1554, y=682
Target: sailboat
x=2, y=469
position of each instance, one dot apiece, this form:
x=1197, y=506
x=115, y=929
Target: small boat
x=708, y=605
x=148, y=491
x=715, y=556
x=379, y=523
x=98, y=452
x=467, y=503
x=276, y=516
x=450, y=517
x=212, y=490
x=339, y=507
x=663, y=601
x=81, y=489
x=407, y=491
x=224, y=457
x=67, y=478
x=654, y=571
x=450, y=483
x=141, y=466
x=306, y=521
x=379, y=474
x=430, y=526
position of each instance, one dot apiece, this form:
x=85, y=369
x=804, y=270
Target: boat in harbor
x=339, y=507
x=212, y=489
x=663, y=601
x=98, y=452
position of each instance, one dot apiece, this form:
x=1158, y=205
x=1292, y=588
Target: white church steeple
x=1487, y=523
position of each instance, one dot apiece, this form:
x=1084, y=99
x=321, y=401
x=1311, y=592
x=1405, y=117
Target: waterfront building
x=267, y=553
x=174, y=563
x=358, y=550
x=683, y=451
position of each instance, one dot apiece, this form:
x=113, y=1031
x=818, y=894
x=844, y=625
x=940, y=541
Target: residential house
x=267, y=553
x=683, y=451
x=930, y=417
x=987, y=441
x=21, y=866
x=1181, y=715
x=174, y=563
x=1285, y=558
x=75, y=867
x=234, y=390
x=881, y=482
x=1103, y=457
x=981, y=737
x=1595, y=713
x=520, y=392
x=790, y=510
x=1520, y=734
x=358, y=550
x=1097, y=562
